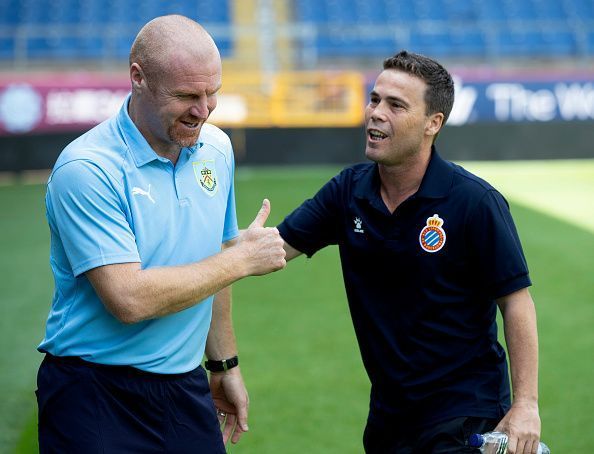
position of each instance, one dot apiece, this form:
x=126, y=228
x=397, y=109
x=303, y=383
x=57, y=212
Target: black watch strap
x=221, y=366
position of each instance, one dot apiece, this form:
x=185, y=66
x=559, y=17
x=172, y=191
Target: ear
x=137, y=77
x=434, y=124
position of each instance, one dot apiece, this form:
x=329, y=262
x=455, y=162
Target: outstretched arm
x=132, y=294
x=522, y=422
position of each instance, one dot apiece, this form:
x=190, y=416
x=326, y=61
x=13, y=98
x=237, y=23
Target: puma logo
x=138, y=191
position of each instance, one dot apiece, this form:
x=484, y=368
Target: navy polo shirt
x=421, y=284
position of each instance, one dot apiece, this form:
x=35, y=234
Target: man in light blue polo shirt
x=144, y=247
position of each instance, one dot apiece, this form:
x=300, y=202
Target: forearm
x=221, y=343
x=133, y=295
x=521, y=337
x=227, y=387
x=522, y=422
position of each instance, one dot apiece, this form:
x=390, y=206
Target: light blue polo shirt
x=112, y=199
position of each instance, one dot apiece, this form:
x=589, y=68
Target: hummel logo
x=358, y=224
x=137, y=191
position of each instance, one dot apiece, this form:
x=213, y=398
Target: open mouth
x=190, y=125
x=375, y=135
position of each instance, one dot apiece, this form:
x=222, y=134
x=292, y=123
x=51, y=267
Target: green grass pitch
x=299, y=357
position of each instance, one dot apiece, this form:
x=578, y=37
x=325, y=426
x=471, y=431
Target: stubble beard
x=183, y=139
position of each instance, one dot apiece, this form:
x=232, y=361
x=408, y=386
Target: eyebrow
x=190, y=92
x=389, y=98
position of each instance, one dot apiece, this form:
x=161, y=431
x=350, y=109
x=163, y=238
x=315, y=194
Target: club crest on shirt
x=206, y=176
x=433, y=236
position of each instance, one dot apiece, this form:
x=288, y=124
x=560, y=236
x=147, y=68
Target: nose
x=200, y=109
x=378, y=112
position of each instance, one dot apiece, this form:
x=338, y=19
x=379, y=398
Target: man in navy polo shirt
x=143, y=227
x=428, y=252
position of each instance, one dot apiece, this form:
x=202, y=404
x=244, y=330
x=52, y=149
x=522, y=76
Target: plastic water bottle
x=496, y=443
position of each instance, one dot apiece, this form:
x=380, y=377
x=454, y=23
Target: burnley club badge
x=206, y=175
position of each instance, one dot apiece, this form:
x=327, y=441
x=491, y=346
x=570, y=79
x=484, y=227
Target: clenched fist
x=262, y=246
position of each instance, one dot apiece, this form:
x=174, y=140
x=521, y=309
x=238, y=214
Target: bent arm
x=522, y=422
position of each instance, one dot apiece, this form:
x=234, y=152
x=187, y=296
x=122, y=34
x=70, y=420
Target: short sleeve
x=230, y=229
x=315, y=224
x=497, y=251
x=86, y=212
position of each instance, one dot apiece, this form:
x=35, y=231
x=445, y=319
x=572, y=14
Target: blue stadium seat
x=468, y=42
x=341, y=12
x=457, y=11
x=490, y=11
x=590, y=43
x=185, y=8
x=65, y=12
x=584, y=9
x=53, y=47
x=530, y=43
x=93, y=46
x=430, y=10
x=519, y=10
x=431, y=43
x=94, y=12
x=551, y=10
x=399, y=11
x=337, y=45
x=313, y=11
x=34, y=12
x=561, y=43
x=371, y=13
x=7, y=47
x=209, y=11
x=9, y=12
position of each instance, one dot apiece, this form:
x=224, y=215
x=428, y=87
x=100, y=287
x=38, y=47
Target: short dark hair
x=439, y=96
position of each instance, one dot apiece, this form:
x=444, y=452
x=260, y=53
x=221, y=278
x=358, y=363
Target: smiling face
x=174, y=106
x=175, y=69
x=396, y=120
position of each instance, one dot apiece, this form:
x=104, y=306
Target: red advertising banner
x=58, y=102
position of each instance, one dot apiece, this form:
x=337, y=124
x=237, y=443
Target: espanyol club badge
x=206, y=175
x=432, y=237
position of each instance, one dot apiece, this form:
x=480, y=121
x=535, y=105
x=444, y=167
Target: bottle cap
x=476, y=441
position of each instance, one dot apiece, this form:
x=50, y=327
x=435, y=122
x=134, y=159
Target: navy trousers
x=91, y=408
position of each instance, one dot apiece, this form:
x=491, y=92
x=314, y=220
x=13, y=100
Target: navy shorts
x=445, y=437
x=91, y=408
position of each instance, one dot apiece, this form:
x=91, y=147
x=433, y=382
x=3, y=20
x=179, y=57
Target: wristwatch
x=221, y=366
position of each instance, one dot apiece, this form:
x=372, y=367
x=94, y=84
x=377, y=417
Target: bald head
x=169, y=38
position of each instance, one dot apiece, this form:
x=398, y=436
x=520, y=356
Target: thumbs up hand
x=262, y=215
x=262, y=246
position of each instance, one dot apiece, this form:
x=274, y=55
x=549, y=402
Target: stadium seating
x=451, y=28
x=92, y=29
x=66, y=30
